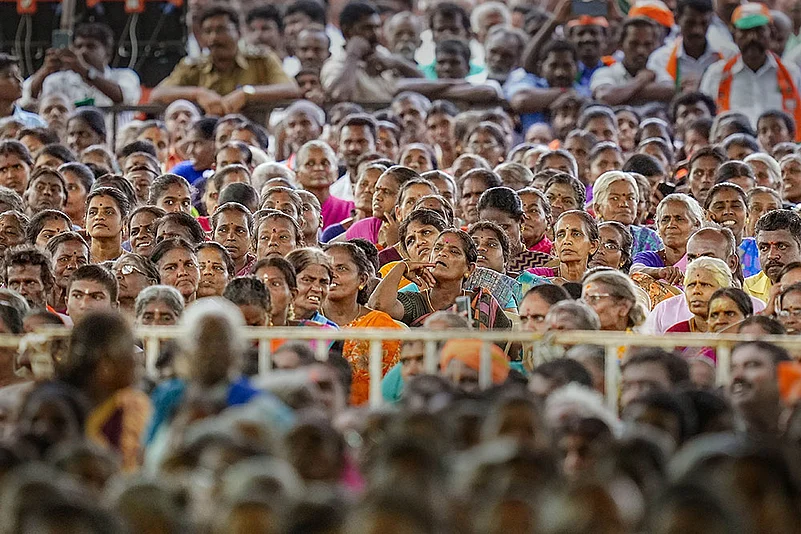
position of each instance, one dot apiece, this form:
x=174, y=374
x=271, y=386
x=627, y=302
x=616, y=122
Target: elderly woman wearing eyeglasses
x=789, y=309
x=614, y=297
x=134, y=273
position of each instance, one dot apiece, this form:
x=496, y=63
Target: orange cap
x=586, y=20
x=655, y=10
x=468, y=351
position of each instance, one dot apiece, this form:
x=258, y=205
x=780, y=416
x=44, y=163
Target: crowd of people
x=449, y=166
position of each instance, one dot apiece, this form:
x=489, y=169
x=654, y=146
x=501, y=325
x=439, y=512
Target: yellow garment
x=357, y=353
x=119, y=424
x=251, y=69
x=388, y=267
x=758, y=286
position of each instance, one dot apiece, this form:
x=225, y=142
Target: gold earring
x=361, y=288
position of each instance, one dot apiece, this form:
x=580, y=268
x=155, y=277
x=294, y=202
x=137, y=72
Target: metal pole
x=611, y=374
x=723, y=367
x=265, y=357
x=376, y=366
x=485, y=367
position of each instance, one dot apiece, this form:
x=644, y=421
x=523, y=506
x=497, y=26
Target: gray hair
x=620, y=286
x=322, y=145
x=452, y=319
x=774, y=171
x=514, y=172
x=213, y=316
x=719, y=269
x=158, y=293
x=583, y=317
x=600, y=190
x=15, y=300
x=694, y=209
x=312, y=109
x=488, y=7
x=267, y=171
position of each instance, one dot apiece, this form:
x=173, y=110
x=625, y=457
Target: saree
x=119, y=424
x=357, y=353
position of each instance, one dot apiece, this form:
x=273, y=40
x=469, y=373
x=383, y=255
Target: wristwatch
x=248, y=90
x=92, y=73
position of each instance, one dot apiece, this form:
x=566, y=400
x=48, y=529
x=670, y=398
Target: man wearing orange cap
x=686, y=58
x=630, y=82
x=460, y=362
x=755, y=80
x=657, y=11
x=589, y=35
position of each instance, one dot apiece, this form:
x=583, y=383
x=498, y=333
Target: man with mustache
x=225, y=80
x=631, y=82
x=754, y=388
x=778, y=238
x=755, y=80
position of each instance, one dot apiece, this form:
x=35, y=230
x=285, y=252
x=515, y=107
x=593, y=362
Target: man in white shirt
x=686, y=58
x=82, y=72
x=755, y=80
x=630, y=81
x=707, y=242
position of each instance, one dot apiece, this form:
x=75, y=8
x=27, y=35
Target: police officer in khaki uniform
x=225, y=80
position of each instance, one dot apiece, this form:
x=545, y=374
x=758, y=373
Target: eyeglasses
x=614, y=247
x=795, y=313
x=532, y=318
x=129, y=269
x=594, y=299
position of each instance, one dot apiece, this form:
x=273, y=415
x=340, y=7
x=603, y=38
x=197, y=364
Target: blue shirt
x=749, y=257
x=585, y=73
x=186, y=170
x=520, y=79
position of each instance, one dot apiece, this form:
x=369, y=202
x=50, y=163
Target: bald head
x=713, y=243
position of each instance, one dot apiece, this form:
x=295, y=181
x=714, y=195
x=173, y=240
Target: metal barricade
x=152, y=337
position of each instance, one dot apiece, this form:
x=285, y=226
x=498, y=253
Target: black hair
x=490, y=178
x=564, y=371
x=96, y=273
x=664, y=146
x=240, y=193
x=283, y=265
x=444, y=107
x=243, y=149
x=363, y=265
x=38, y=221
x=596, y=150
x=741, y=139
x=57, y=150
x=776, y=353
x=161, y=183
x=455, y=47
x=229, y=262
x=205, y=127
x=740, y=122
x=65, y=237
x=626, y=239
x=780, y=220
x=693, y=97
x=468, y=246
x=13, y=147
x=733, y=169
x=559, y=45
x=739, y=297
x=97, y=337
x=115, y=181
x=262, y=138
x=449, y=10
x=550, y=293
x=504, y=199
x=353, y=12
x=43, y=135
x=596, y=111
x=672, y=403
x=421, y=216
x=311, y=8
x=137, y=146
x=217, y=10
x=119, y=197
x=163, y=247
x=266, y=12
x=783, y=116
x=677, y=368
x=196, y=232
x=93, y=118
x=644, y=164
x=636, y=22
x=572, y=181
x=503, y=237
x=232, y=206
x=360, y=119
x=706, y=152
x=98, y=31
x=768, y=324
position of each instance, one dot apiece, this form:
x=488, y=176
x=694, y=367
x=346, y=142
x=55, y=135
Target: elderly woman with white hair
x=766, y=169
x=616, y=196
x=704, y=276
x=791, y=178
x=615, y=299
x=678, y=216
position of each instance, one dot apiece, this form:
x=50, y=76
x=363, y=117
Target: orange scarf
x=673, y=62
x=791, y=103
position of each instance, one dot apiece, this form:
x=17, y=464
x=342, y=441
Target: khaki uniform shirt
x=251, y=69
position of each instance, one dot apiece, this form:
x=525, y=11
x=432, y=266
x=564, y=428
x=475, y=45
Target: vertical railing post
x=376, y=365
x=265, y=356
x=430, y=360
x=723, y=365
x=611, y=375
x=152, y=346
x=485, y=366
